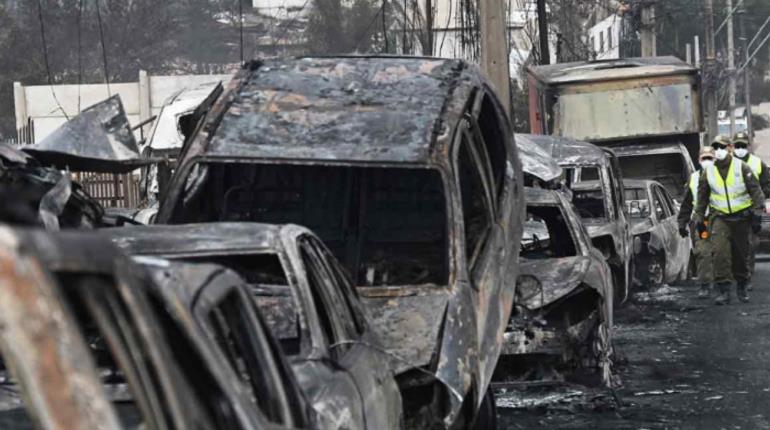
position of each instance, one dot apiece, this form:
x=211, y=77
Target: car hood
x=557, y=276
x=408, y=321
x=99, y=139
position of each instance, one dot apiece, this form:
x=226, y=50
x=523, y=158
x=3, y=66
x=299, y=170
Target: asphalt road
x=683, y=363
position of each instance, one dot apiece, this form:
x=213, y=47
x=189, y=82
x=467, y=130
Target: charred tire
x=486, y=417
x=656, y=270
x=603, y=351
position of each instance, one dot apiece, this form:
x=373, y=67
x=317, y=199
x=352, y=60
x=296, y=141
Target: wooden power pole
x=731, y=84
x=647, y=33
x=429, y=26
x=709, y=74
x=494, y=49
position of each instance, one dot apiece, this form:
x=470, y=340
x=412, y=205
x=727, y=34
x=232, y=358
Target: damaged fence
x=110, y=189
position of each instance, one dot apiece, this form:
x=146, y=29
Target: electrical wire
x=80, y=51
x=104, y=50
x=45, y=58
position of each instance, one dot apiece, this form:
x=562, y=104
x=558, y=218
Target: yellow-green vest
x=728, y=195
x=755, y=163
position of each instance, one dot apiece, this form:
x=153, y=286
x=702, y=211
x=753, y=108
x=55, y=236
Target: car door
x=353, y=346
x=682, y=245
x=230, y=319
x=666, y=230
x=329, y=386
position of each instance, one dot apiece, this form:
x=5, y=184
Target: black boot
x=723, y=288
x=742, y=293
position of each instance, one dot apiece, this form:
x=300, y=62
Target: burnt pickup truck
x=406, y=169
x=593, y=176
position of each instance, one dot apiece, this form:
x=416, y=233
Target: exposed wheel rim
x=656, y=272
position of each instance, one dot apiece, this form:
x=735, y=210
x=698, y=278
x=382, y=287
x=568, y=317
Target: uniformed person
x=741, y=151
x=732, y=195
x=699, y=234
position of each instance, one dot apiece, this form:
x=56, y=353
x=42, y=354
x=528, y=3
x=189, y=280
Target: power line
x=104, y=50
x=45, y=58
x=80, y=51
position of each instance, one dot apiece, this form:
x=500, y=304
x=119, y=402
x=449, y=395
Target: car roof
x=569, y=151
x=347, y=108
x=196, y=238
x=624, y=68
x=586, y=185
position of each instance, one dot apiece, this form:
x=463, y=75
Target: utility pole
x=542, y=32
x=494, y=49
x=731, y=84
x=649, y=39
x=746, y=74
x=709, y=73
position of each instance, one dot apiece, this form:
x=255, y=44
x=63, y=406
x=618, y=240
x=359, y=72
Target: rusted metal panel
x=99, y=139
x=619, y=99
x=42, y=346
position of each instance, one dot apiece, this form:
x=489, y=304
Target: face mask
x=721, y=154
x=741, y=152
x=706, y=163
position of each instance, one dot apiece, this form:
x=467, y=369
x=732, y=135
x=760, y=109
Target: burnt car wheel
x=602, y=350
x=656, y=271
x=486, y=418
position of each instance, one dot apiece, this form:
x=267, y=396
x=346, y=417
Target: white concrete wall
x=607, y=30
x=141, y=99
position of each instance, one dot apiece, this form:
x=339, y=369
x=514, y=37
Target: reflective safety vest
x=694, y=180
x=728, y=195
x=755, y=163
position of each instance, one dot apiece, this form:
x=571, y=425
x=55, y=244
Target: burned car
x=36, y=195
x=564, y=298
x=593, y=175
x=667, y=163
x=307, y=300
x=661, y=255
x=92, y=341
x=406, y=169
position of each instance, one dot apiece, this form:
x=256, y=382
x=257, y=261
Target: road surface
x=683, y=363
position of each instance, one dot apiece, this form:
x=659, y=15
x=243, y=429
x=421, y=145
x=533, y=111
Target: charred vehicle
x=564, y=297
x=406, y=169
x=307, y=300
x=668, y=164
x=661, y=255
x=651, y=105
x=35, y=195
x=175, y=122
x=593, y=175
x=92, y=342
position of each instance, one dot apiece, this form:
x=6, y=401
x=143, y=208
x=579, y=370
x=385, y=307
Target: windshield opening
x=547, y=234
x=387, y=226
x=668, y=169
x=637, y=203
